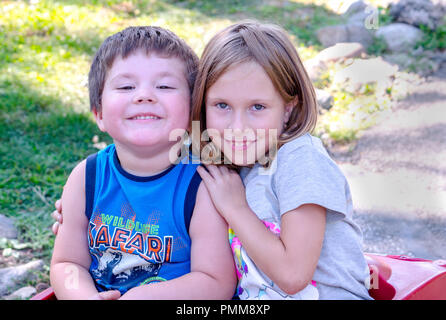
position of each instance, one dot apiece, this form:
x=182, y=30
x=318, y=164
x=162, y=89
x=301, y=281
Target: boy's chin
x=147, y=143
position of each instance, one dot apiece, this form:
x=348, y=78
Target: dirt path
x=397, y=173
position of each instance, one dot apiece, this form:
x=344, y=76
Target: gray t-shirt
x=301, y=173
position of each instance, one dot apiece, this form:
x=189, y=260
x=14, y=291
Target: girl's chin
x=242, y=159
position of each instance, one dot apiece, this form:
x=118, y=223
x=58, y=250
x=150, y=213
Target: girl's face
x=245, y=114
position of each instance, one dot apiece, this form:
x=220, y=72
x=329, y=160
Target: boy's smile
x=145, y=97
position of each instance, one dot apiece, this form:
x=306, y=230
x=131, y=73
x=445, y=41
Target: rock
x=343, y=6
x=22, y=294
x=341, y=51
x=314, y=67
x=363, y=71
x=330, y=35
x=351, y=32
x=324, y=99
x=355, y=7
x=438, y=56
x=357, y=32
x=7, y=228
x=11, y=276
x=399, y=37
x=419, y=12
x=423, y=65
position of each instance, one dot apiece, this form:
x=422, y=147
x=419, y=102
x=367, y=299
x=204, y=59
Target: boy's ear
x=99, y=121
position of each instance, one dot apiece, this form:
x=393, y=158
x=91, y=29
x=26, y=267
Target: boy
x=127, y=208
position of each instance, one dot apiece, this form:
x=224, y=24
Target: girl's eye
x=222, y=106
x=164, y=87
x=258, y=107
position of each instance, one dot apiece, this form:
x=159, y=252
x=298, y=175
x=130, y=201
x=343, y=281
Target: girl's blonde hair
x=270, y=47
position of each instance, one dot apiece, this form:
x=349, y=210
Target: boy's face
x=145, y=98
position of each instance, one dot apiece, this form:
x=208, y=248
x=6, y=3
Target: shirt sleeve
x=304, y=176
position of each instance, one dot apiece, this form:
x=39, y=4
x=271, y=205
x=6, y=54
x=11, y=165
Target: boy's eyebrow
x=121, y=75
x=170, y=74
x=160, y=75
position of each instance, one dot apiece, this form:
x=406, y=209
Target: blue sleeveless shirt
x=138, y=226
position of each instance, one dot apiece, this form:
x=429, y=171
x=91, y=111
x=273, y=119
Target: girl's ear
x=99, y=120
x=289, y=109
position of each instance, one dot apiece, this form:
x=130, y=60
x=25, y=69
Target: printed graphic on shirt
x=123, y=270
x=127, y=253
x=253, y=284
x=126, y=235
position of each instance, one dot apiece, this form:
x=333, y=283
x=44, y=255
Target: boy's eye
x=126, y=88
x=258, y=107
x=222, y=105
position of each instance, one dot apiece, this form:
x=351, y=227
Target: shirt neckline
x=133, y=177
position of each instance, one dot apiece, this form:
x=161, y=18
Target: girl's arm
x=290, y=259
x=212, y=273
x=70, y=262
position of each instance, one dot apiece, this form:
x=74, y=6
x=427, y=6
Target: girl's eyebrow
x=208, y=98
x=248, y=101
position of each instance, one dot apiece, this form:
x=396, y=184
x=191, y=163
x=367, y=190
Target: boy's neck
x=143, y=163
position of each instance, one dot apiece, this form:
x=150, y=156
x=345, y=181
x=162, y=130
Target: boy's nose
x=144, y=96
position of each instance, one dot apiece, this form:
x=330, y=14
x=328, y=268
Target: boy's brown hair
x=270, y=47
x=149, y=38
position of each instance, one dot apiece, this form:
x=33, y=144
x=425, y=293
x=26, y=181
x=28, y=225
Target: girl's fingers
x=224, y=170
x=206, y=176
x=214, y=171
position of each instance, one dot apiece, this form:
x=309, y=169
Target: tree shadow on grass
x=300, y=19
x=41, y=141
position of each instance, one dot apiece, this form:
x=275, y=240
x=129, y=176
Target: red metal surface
x=47, y=294
x=403, y=278
x=392, y=278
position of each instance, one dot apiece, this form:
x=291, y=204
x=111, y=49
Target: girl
x=292, y=234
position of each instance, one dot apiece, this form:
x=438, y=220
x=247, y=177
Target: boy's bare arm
x=70, y=262
x=212, y=273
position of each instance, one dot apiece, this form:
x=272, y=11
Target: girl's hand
x=57, y=215
x=225, y=188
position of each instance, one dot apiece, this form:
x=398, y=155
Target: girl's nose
x=239, y=128
x=238, y=121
